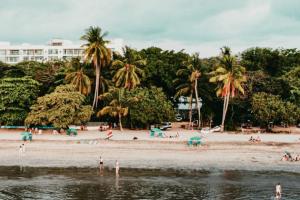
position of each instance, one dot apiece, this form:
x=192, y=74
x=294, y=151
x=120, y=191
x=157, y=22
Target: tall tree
x=128, y=72
x=77, y=77
x=116, y=106
x=97, y=53
x=16, y=96
x=61, y=108
x=192, y=68
x=229, y=76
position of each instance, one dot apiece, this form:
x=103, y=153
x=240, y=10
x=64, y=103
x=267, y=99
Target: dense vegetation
x=140, y=88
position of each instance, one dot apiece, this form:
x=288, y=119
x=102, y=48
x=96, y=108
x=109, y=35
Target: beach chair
x=157, y=131
x=26, y=136
x=194, y=141
x=72, y=131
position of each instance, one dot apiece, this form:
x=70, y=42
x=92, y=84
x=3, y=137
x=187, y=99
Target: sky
x=202, y=26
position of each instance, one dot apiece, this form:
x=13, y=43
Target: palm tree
x=191, y=69
x=78, y=78
x=116, y=106
x=97, y=53
x=229, y=76
x=128, y=73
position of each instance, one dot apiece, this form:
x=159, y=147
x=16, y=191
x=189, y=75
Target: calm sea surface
x=73, y=183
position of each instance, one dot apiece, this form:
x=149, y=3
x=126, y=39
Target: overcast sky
x=194, y=25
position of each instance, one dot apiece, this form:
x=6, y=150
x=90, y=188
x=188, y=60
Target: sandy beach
x=221, y=151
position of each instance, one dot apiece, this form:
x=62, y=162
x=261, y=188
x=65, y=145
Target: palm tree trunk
x=197, y=102
x=120, y=122
x=95, y=102
x=225, y=107
x=190, y=108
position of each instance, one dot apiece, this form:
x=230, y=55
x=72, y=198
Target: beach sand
x=221, y=151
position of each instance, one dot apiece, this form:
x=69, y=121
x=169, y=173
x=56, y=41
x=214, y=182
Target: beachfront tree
x=270, y=108
x=161, y=68
x=192, y=69
x=229, y=76
x=150, y=106
x=117, y=104
x=96, y=53
x=77, y=77
x=16, y=96
x=61, y=108
x=128, y=69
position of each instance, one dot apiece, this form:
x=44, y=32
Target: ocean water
x=83, y=184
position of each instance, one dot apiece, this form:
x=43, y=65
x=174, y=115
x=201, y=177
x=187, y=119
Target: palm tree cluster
x=127, y=72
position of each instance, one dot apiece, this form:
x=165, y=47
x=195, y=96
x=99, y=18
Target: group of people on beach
x=34, y=130
x=252, y=139
x=289, y=157
x=101, y=166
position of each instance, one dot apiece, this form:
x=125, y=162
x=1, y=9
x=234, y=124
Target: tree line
x=138, y=88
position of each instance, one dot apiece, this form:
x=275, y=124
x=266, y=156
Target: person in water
x=117, y=168
x=278, y=191
x=101, y=165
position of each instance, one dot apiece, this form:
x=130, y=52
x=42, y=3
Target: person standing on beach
x=20, y=151
x=23, y=148
x=278, y=191
x=117, y=168
x=101, y=165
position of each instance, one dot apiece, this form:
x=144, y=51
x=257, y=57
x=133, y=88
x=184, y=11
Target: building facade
x=56, y=49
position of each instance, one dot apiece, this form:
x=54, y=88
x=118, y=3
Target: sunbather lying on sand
x=171, y=136
x=257, y=139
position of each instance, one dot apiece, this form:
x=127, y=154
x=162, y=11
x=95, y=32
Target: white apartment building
x=56, y=49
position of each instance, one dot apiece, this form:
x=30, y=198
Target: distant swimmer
x=278, y=191
x=101, y=165
x=117, y=168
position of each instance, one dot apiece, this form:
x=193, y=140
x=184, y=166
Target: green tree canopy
x=270, y=108
x=128, y=72
x=151, y=107
x=60, y=108
x=16, y=96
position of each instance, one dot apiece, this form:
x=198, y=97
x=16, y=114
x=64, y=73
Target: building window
x=68, y=51
x=26, y=58
x=53, y=51
x=53, y=57
x=78, y=51
x=28, y=52
x=39, y=58
x=12, y=59
x=14, y=52
x=38, y=51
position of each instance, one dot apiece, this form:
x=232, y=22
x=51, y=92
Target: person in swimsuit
x=117, y=168
x=101, y=165
x=278, y=191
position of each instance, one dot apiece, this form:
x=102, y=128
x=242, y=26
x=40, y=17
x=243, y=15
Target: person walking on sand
x=278, y=191
x=117, y=168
